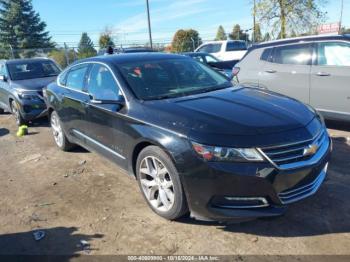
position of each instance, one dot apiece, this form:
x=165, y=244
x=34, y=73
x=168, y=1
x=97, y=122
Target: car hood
x=232, y=113
x=36, y=84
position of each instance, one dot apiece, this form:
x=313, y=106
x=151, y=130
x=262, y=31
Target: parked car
x=224, y=67
x=193, y=141
x=21, y=87
x=225, y=50
x=315, y=70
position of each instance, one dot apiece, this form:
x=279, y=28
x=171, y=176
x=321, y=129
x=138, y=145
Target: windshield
x=171, y=78
x=32, y=69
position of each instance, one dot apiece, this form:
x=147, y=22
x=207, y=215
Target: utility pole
x=254, y=21
x=341, y=16
x=149, y=25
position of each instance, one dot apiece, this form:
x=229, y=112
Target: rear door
x=288, y=71
x=72, y=109
x=330, y=79
x=235, y=50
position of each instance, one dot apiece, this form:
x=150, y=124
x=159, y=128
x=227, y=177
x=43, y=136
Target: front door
x=330, y=80
x=106, y=122
x=288, y=71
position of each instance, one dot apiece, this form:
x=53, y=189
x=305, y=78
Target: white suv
x=315, y=70
x=225, y=50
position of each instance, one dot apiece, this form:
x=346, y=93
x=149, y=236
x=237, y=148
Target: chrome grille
x=292, y=153
x=294, y=195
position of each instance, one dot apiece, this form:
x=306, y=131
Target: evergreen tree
x=21, y=27
x=86, y=47
x=220, y=35
x=238, y=34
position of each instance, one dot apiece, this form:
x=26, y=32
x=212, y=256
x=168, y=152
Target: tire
x=17, y=114
x=60, y=138
x=1, y=111
x=160, y=183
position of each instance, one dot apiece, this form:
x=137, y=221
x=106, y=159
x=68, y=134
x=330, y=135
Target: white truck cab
x=225, y=50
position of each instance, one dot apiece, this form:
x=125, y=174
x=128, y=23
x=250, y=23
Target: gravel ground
x=80, y=196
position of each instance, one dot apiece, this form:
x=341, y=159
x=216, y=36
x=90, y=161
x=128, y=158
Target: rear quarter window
x=236, y=46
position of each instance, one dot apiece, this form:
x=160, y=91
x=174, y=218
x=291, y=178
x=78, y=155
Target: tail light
x=235, y=71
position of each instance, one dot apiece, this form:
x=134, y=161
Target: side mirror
x=120, y=100
x=3, y=78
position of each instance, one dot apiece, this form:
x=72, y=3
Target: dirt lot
x=80, y=196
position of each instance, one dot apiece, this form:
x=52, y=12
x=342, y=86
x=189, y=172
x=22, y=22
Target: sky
x=67, y=19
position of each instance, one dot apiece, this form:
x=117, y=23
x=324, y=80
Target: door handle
x=323, y=74
x=271, y=71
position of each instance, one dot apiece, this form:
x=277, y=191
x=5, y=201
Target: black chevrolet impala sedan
x=195, y=143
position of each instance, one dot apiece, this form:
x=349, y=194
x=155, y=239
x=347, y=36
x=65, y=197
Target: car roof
x=301, y=40
x=222, y=42
x=131, y=57
x=23, y=60
x=195, y=53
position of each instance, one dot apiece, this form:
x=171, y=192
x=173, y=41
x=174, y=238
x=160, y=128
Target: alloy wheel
x=157, y=184
x=57, y=130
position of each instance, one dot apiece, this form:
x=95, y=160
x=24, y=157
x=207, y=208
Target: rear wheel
x=58, y=134
x=17, y=114
x=2, y=111
x=160, y=183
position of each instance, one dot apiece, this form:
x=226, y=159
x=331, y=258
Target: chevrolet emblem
x=310, y=150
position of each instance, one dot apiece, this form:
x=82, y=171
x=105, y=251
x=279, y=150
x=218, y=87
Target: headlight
x=224, y=154
x=27, y=95
x=318, y=114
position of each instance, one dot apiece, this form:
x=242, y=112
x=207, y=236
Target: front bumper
x=31, y=110
x=225, y=191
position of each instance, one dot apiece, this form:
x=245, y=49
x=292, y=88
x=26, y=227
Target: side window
x=266, y=55
x=210, y=59
x=236, y=46
x=216, y=48
x=76, y=77
x=333, y=54
x=62, y=79
x=101, y=84
x=204, y=49
x=3, y=71
x=293, y=55
x=199, y=59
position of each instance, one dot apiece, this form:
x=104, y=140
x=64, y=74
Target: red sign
x=333, y=28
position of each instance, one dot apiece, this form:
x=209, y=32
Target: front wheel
x=58, y=134
x=17, y=114
x=160, y=183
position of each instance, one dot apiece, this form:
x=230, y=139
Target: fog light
x=240, y=202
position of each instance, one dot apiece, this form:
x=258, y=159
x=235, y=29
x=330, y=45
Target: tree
x=267, y=37
x=106, y=40
x=283, y=16
x=257, y=34
x=62, y=57
x=238, y=34
x=86, y=47
x=186, y=41
x=220, y=35
x=21, y=27
x=345, y=30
